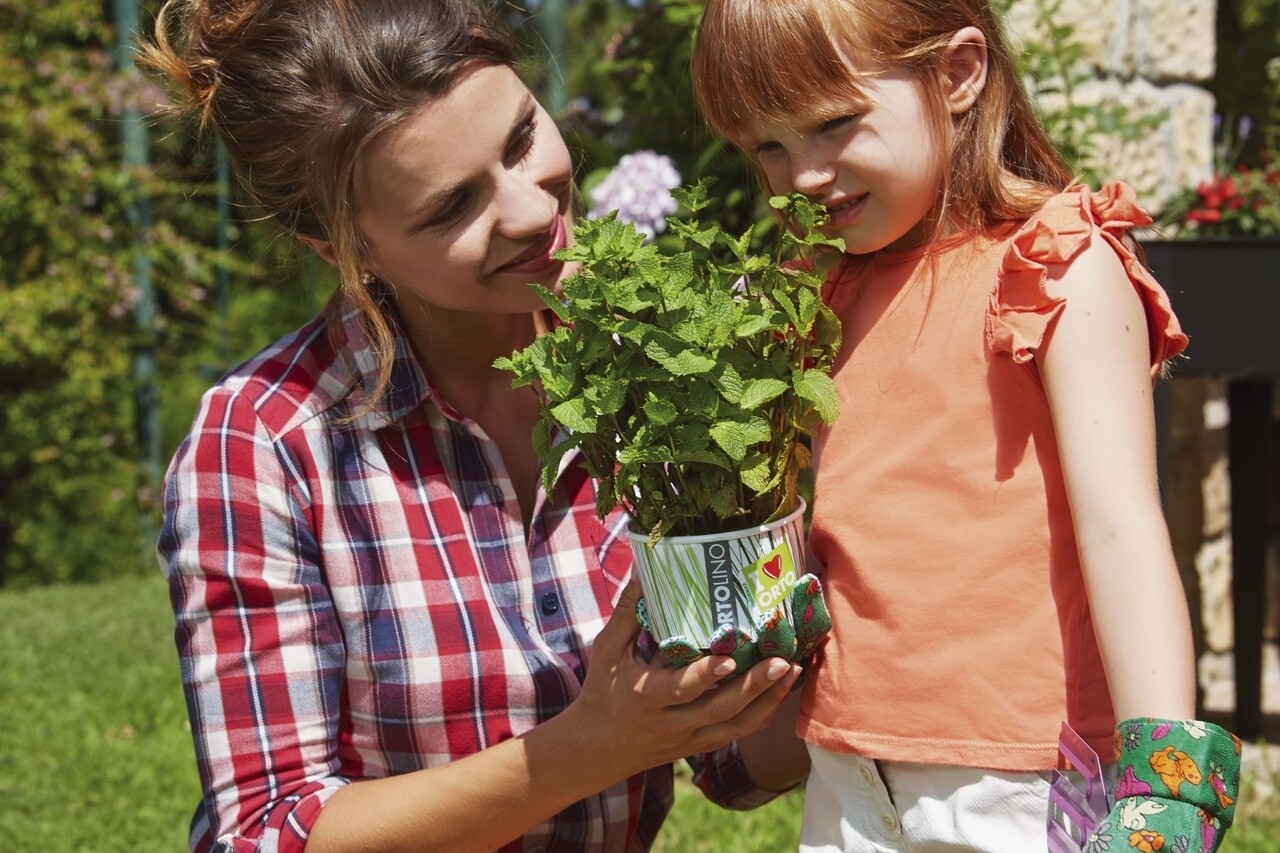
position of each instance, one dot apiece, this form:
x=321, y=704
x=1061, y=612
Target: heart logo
x=773, y=568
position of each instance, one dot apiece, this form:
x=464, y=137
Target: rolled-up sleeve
x=261, y=650
x=723, y=779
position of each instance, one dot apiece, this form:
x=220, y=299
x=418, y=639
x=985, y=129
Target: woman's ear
x=964, y=67
x=323, y=248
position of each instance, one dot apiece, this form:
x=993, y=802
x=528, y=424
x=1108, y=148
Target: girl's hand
x=646, y=713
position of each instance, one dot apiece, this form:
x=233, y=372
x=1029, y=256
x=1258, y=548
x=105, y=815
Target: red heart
x=773, y=568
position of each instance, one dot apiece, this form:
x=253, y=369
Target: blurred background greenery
x=132, y=275
x=130, y=280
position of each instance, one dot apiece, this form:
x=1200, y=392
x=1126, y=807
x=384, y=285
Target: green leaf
x=608, y=395
x=660, y=409
x=736, y=437
x=552, y=301
x=729, y=383
x=572, y=414
x=755, y=472
x=551, y=462
x=760, y=391
x=817, y=388
x=676, y=361
x=652, y=453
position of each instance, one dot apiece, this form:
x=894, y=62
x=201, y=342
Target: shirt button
x=550, y=604
x=890, y=822
x=866, y=775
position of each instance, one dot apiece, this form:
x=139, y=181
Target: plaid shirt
x=356, y=600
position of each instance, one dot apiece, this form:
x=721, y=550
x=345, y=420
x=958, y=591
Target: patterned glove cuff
x=1187, y=760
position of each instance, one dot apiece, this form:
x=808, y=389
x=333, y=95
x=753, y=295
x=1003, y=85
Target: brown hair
x=770, y=58
x=298, y=89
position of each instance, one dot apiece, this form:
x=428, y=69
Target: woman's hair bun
x=191, y=62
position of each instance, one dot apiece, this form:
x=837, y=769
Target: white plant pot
x=693, y=585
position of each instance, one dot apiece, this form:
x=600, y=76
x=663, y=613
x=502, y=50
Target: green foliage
x=688, y=379
x=628, y=75
x=81, y=236
x=1246, y=83
x=68, y=292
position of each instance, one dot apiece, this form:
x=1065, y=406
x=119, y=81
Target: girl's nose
x=811, y=175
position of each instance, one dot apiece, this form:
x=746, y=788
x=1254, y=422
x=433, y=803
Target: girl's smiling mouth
x=846, y=211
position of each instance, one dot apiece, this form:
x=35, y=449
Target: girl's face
x=875, y=163
x=463, y=206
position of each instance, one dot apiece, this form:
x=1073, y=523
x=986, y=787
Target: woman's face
x=464, y=204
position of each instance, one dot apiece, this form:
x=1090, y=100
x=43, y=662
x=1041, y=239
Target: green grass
x=95, y=752
x=94, y=748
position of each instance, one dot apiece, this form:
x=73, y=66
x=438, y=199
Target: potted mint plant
x=688, y=379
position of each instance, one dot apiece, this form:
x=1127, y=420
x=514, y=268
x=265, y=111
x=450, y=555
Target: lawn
x=95, y=753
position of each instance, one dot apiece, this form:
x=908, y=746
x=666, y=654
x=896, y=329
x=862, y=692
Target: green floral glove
x=1176, y=788
x=775, y=635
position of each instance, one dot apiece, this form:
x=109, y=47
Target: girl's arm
x=631, y=716
x=1096, y=370
x=775, y=756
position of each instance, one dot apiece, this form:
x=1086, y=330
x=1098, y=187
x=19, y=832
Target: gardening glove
x=775, y=635
x=1176, y=787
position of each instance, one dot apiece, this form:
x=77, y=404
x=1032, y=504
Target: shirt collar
x=408, y=387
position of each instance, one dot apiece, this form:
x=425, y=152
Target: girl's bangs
x=766, y=60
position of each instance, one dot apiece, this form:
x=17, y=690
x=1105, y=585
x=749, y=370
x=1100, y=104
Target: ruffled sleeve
x=1021, y=312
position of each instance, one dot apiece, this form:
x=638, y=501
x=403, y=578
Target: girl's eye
x=838, y=123
x=764, y=149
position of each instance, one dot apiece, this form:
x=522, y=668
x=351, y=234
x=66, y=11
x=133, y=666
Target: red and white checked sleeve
x=261, y=651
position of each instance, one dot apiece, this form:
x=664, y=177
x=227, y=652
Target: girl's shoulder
x=1077, y=234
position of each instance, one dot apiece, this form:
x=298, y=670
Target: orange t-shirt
x=961, y=631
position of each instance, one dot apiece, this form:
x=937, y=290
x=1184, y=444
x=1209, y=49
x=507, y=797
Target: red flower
x=1206, y=216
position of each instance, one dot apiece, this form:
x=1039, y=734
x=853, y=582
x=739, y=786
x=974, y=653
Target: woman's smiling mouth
x=538, y=257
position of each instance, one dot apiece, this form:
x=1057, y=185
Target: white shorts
x=856, y=805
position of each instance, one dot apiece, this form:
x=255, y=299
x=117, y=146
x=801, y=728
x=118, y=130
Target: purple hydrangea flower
x=639, y=189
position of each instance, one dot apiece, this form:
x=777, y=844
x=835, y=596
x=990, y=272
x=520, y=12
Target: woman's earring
x=367, y=278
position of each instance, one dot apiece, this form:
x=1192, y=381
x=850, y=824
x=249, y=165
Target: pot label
x=775, y=575
x=720, y=569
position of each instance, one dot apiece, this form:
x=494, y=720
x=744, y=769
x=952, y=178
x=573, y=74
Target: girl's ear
x=323, y=248
x=964, y=67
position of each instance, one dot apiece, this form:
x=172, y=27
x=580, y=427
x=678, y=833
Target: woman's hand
x=644, y=714
x=630, y=716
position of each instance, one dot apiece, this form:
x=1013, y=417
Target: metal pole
x=222, y=168
x=551, y=26
x=146, y=390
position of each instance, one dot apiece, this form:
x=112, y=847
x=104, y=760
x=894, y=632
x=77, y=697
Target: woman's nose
x=528, y=207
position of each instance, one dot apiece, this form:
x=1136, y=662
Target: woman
x=384, y=624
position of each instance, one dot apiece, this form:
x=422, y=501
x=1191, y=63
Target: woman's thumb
x=623, y=627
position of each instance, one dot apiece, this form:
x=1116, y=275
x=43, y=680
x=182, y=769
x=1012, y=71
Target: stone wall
x=1152, y=56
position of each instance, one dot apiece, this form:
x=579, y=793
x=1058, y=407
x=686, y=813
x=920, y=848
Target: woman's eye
x=451, y=213
x=522, y=143
x=765, y=149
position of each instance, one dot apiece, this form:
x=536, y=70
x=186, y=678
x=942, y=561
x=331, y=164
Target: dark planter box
x=1226, y=294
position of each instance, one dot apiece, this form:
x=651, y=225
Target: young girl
x=391, y=638
x=986, y=512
